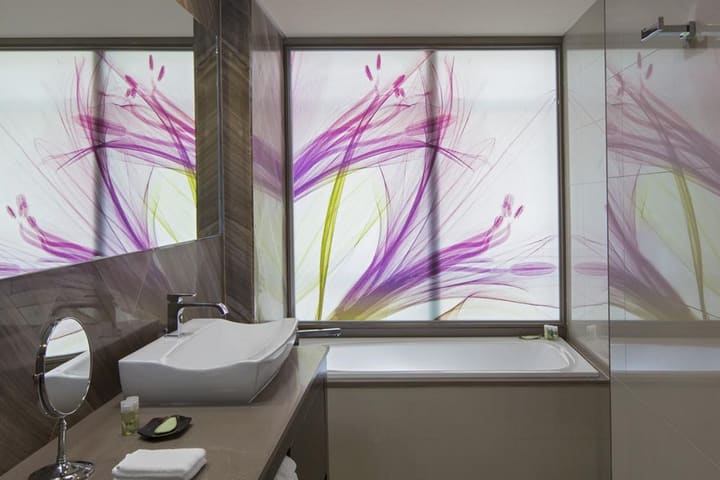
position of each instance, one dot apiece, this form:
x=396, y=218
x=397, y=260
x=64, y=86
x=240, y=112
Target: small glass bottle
x=551, y=332
x=130, y=416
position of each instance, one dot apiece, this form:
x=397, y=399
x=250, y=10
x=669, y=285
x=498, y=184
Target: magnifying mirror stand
x=63, y=468
x=63, y=356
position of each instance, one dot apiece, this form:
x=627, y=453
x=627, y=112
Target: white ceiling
x=347, y=18
x=94, y=18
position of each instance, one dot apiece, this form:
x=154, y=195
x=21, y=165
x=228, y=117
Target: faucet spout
x=220, y=307
x=177, y=306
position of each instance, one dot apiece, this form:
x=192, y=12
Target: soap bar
x=160, y=428
x=168, y=425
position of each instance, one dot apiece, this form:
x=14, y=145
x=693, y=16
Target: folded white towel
x=171, y=464
x=287, y=470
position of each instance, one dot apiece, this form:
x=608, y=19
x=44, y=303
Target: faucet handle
x=177, y=297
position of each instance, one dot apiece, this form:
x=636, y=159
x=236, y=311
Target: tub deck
x=453, y=359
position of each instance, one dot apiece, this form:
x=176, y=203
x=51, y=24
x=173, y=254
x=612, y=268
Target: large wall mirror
x=101, y=147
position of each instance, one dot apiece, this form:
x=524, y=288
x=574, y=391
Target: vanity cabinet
x=306, y=440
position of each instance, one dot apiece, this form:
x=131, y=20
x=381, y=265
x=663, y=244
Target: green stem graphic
x=328, y=234
x=693, y=234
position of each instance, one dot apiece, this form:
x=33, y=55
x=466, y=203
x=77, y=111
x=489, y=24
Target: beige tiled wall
x=542, y=431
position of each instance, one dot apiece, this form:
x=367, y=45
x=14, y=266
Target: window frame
x=429, y=328
x=96, y=43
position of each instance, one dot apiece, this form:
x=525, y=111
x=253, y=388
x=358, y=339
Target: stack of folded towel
x=287, y=470
x=174, y=464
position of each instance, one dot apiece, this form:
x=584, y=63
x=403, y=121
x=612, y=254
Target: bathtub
x=452, y=359
x=666, y=356
x=429, y=408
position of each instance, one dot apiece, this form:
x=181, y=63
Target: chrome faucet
x=176, y=307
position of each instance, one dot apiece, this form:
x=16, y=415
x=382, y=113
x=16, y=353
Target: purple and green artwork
x=663, y=188
x=425, y=184
x=98, y=150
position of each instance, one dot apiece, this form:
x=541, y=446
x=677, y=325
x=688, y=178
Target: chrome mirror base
x=66, y=471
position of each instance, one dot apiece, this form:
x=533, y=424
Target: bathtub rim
x=421, y=378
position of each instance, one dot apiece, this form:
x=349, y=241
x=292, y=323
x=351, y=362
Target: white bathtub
x=666, y=356
x=440, y=359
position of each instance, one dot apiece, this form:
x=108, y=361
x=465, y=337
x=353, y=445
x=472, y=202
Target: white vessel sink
x=215, y=361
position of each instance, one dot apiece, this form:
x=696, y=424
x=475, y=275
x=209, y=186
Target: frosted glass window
x=425, y=184
x=98, y=155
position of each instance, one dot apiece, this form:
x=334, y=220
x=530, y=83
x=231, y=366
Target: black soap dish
x=148, y=430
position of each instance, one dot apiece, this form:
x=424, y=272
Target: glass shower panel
x=663, y=126
x=586, y=193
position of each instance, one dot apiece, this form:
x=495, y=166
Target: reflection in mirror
x=62, y=373
x=66, y=366
x=97, y=135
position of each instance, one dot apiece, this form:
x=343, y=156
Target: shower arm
x=687, y=32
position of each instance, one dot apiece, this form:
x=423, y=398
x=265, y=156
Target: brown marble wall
x=235, y=34
x=252, y=183
x=253, y=166
x=121, y=303
x=269, y=167
x=205, y=12
x=236, y=123
x=207, y=148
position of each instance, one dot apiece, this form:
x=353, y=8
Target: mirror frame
x=39, y=375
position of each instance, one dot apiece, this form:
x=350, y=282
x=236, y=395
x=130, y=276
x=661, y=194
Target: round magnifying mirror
x=62, y=373
x=65, y=365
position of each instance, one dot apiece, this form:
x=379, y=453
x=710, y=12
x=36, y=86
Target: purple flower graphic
x=119, y=138
x=405, y=131
x=644, y=131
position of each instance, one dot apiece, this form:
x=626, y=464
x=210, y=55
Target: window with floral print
x=425, y=184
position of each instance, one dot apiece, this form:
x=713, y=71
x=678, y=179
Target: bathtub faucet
x=177, y=305
x=319, y=332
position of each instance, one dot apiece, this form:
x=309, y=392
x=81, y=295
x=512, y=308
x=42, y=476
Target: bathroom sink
x=214, y=361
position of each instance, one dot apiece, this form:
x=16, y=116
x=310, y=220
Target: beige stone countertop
x=240, y=439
